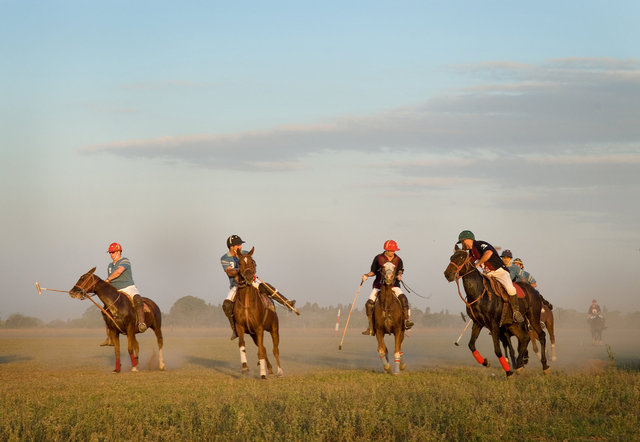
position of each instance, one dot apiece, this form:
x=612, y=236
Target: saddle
x=498, y=288
x=267, y=302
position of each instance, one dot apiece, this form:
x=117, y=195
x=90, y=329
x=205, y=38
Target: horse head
x=389, y=273
x=247, y=267
x=459, y=261
x=85, y=285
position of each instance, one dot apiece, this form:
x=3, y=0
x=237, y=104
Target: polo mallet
x=349, y=316
x=275, y=293
x=40, y=289
x=464, y=330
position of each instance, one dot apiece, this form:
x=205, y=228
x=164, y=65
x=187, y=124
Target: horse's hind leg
x=398, y=355
x=382, y=351
x=543, y=343
x=158, y=333
x=275, y=337
x=134, y=349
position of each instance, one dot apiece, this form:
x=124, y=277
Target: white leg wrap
x=160, y=360
x=263, y=368
x=243, y=355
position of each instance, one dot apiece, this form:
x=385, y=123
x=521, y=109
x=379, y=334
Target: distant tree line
x=190, y=311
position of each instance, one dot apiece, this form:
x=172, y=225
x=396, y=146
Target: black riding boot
x=227, y=308
x=369, y=309
x=139, y=307
x=517, y=316
x=405, y=310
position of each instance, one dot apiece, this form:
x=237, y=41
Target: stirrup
x=517, y=316
x=368, y=332
x=408, y=324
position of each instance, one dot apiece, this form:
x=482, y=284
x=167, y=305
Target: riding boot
x=405, y=311
x=139, y=307
x=227, y=308
x=517, y=316
x=369, y=309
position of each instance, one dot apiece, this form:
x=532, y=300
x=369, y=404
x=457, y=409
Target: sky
x=317, y=131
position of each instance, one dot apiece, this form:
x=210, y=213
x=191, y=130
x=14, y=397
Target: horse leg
x=262, y=354
x=508, y=348
x=382, y=351
x=535, y=324
x=522, y=334
x=533, y=336
x=132, y=348
x=243, y=349
x=475, y=332
x=495, y=336
x=275, y=337
x=552, y=338
x=114, y=336
x=398, y=355
x=266, y=358
x=160, y=341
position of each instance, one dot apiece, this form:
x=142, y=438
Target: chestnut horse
x=388, y=318
x=485, y=308
x=122, y=319
x=546, y=320
x=254, y=314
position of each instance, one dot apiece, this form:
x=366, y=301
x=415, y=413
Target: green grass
x=70, y=394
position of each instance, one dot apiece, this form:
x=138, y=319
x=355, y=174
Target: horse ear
x=251, y=251
x=455, y=247
x=90, y=272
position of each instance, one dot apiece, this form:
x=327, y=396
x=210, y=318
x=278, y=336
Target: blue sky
x=317, y=132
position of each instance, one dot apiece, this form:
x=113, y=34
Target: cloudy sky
x=316, y=131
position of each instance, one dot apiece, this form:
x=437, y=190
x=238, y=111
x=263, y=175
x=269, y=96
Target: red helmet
x=114, y=247
x=391, y=246
x=594, y=301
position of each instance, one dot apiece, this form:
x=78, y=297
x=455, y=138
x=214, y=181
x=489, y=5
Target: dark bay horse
x=546, y=320
x=122, y=318
x=254, y=314
x=485, y=308
x=388, y=318
x=596, y=324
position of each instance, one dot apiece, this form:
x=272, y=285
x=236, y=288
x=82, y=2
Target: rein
x=85, y=295
x=459, y=277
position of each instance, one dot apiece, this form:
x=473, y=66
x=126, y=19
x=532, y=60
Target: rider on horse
x=487, y=257
x=120, y=277
x=230, y=264
x=377, y=269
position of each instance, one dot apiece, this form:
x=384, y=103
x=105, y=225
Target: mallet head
x=38, y=287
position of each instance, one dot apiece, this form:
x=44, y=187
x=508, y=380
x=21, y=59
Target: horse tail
x=545, y=302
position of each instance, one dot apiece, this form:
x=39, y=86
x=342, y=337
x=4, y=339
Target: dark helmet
x=466, y=234
x=506, y=254
x=234, y=240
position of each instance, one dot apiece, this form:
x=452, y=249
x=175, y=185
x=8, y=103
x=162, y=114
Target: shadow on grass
x=7, y=359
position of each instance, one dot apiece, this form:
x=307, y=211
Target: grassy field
x=57, y=385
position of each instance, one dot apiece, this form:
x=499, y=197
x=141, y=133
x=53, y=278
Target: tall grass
x=69, y=394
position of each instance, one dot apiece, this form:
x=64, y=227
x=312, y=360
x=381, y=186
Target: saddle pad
x=519, y=291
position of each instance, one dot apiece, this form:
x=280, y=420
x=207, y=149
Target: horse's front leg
x=543, y=344
x=114, y=336
x=475, y=332
x=132, y=347
x=275, y=337
x=382, y=351
x=495, y=336
x=262, y=354
x=243, y=349
x=398, y=354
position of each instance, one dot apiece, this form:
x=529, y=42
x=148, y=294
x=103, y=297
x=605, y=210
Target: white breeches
x=232, y=292
x=374, y=293
x=130, y=291
x=505, y=279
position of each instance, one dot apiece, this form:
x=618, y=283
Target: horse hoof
x=519, y=370
x=263, y=377
x=387, y=369
x=134, y=369
x=402, y=367
x=162, y=367
x=509, y=374
x=546, y=370
x=486, y=363
x=115, y=371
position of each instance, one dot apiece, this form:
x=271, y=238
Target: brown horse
x=388, y=318
x=596, y=324
x=546, y=320
x=254, y=314
x=485, y=307
x=122, y=319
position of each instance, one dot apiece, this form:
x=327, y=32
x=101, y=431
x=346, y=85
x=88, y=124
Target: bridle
x=84, y=295
x=459, y=277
